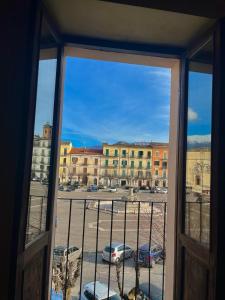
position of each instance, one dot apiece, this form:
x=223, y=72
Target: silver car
x=98, y=291
x=60, y=254
x=118, y=252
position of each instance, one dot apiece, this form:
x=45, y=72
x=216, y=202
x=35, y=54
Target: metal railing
x=92, y=224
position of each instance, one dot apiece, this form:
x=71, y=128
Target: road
x=97, y=236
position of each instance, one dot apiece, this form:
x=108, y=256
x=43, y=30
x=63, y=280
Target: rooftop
x=90, y=151
x=138, y=144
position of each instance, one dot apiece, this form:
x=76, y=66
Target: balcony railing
x=93, y=224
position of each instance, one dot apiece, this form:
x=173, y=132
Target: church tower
x=47, y=131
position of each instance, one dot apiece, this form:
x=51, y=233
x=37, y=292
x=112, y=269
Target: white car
x=164, y=191
x=112, y=189
x=98, y=291
x=60, y=254
x=118, y=252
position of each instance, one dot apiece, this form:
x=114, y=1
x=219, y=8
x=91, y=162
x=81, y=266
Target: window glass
x=198, y=154
x=42, y=139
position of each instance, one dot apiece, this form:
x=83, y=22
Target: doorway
x=115, y=154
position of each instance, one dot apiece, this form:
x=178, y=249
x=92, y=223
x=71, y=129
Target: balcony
x=91, y=224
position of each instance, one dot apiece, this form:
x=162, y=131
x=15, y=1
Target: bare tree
x=64, y=277
x=135, y=292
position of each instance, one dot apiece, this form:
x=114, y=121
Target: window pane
x=36, y=222
x=198, y=155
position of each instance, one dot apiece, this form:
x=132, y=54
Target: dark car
x=92, y=188
x=68, y=188
x=101, y=187
x=61, y=187
x=44, y=181
x=153, y=190
x=148, y=256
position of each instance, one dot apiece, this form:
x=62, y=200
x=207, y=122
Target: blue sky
x=45, y=94
x=110, y=102
x=199, y=107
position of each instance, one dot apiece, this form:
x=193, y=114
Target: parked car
x=44, y=181
x=143, y=188
x=118, y=252
x=153, y=190
x=164, y=191
x=135, y=190
x=98, y=291
x=61, y=187
x=158, y=189
x=68, y=188
x=112, y=189
x=35, y=179
x=148, y=256
x=92, y=188
x=60, y=254
x=76, y=185
x=101, y=187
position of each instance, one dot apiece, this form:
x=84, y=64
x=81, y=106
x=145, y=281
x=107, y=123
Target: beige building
x=85, y=165
x=198, y=170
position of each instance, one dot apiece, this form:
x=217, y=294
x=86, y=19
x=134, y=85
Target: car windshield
x=107, y=249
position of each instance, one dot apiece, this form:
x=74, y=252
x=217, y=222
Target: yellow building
x=198, y=170
x=127, y=164
x=64, y=162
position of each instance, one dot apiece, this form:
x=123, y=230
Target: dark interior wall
x=209, y=8
x=18, y=31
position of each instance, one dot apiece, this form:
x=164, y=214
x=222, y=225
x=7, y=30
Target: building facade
x=159, y=164
x=85, y=165
x=121, y=164
x=64, y=161
x=41, y=153
x=130, y=164
x=198, y=170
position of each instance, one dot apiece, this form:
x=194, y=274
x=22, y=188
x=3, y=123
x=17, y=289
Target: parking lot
x=93, y=266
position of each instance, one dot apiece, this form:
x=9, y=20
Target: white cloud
x=199, y=138
x=161, y=72
x=192, y=115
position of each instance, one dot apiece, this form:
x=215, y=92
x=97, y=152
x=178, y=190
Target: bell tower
x=47, y=131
